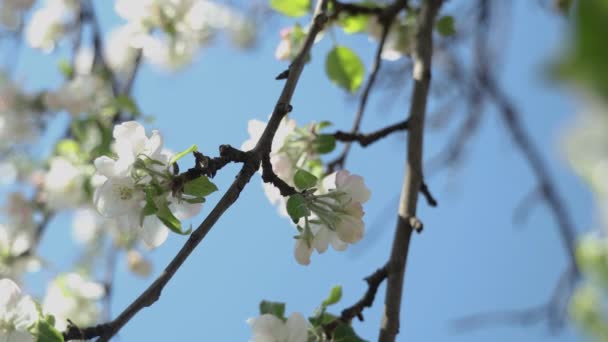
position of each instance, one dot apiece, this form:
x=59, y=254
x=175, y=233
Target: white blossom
x=18, y=313
x=269, y=328
x=63, y=185
x=49, y=23
x=70, y=296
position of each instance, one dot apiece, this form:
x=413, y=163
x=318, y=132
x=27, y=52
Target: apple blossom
x=18, y=313
x=63, y=185
x=71, y=296
x=49, y=23
x=269, y=328
x=336, y=215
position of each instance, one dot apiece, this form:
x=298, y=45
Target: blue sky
x=470, y=258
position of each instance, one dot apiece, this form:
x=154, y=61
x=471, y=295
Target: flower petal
x=154, y=233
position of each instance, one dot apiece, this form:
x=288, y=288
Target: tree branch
x=282, y=107
x=413, y=178
x=367, y=139
x=386, y=16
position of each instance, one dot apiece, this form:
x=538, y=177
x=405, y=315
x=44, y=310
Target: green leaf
x=66, y=68
x=344, y=68
x=183, y=153
x=315, y=166
x=273, y=308
x=150, y=208
x=354, y=23
x=334, y=296
x=345, y=333
x=67, y=148
x=445, y=26
x=166, y=216
x=323, y=124
x=199, y=187
x=291, y=8
x=46, y=332
x=297, y=208
x=304, y=179
x=324, y=143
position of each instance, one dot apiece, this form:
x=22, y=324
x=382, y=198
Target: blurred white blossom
x=269, y=328
x=63, y=184
x=50, y=23
x=71, y=296
x=18, y=313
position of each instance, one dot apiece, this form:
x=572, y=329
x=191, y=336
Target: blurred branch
x=413, y=177
x=386, y=18
x=262, y=149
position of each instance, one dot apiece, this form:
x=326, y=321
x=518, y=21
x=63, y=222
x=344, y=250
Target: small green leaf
x=291, y=8
x=46, y=332
x=315, y=167
x=354, y=23
x=445, y=26
x=345, y=333
x=166, y=216
x=199, y=187
x=334, y=296
x=344, y=68
x=150, y=207
x=66, y=68
x=273, y=308
x=304, y=179
x=67, y=148
x=297, y=208
x=183, y=153
x=322, y=318
x=323, y=124
x=324, y=143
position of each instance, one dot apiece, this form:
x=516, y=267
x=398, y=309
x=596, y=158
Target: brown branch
x=413, y=178
x=268, y=176
x=386, y=19
x=262, y=148
x=367, y=139
x=373, y=282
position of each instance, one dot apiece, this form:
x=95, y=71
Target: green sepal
x=168, y=219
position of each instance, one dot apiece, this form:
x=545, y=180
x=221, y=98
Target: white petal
x=297, y=328
x=352, y=185
x=268, y=328
x=130, y=131
x=185, y=210
x=9, y=295
x=105, y=166
x=302, y=252
x=321, y=239
x=154, y=144
x=110, y=199
x=154, y=233
x=27, y=314
x=351, y=226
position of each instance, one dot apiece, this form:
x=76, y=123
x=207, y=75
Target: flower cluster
x=50, y=23
x=137, y=189
x=169, y=32
x=327, y=212
x=335, y=215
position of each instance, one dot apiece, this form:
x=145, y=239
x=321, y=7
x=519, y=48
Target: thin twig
x=367, y=139
x=386, y=20
x=262, y=148
x=413, y=177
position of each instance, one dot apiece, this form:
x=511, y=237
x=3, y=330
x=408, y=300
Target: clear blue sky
x=470, y=258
